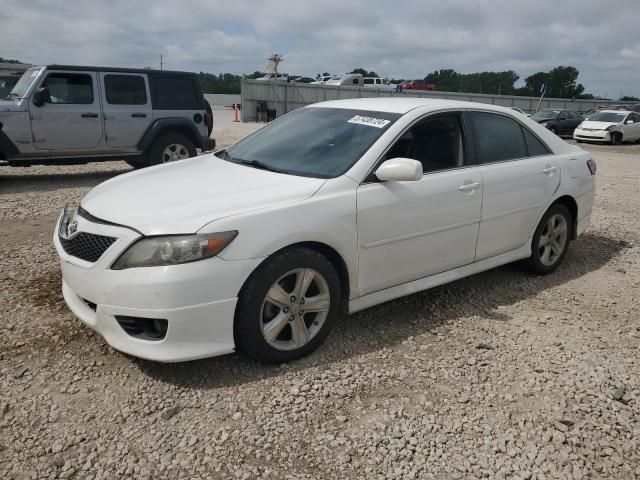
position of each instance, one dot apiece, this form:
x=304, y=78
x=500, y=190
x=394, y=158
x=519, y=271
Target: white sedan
x=611, y=126
x=330, y=209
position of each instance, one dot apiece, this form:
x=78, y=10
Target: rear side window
x=70, y=88
x=534, y=146
x=175, y=93
x=498, y=137
x=125, y=90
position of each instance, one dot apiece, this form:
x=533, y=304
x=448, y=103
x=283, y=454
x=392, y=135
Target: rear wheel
x=170, y=148
x=550, y=240
x=287, y=307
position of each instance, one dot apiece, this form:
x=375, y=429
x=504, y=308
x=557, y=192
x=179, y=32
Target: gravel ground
x=501, y=375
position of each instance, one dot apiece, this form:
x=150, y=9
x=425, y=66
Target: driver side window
x=66, y=88
x=434, y=142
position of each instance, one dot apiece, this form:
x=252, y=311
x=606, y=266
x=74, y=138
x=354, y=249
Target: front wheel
x=287, y=307
x=170, y=148
x=616, y=138
x=550, y=240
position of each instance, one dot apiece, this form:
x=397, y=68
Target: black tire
x=616, y=138
x=210, y=112
x=535, y=262
x=248, y=334
x=156, y=152
x=137, y=163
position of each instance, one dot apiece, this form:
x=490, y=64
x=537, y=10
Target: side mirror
x=399, y=170
x=629, y=122
x=41, y=96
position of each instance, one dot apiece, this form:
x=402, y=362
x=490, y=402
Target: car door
x=520, y=176
x=563, y=123
x=632, y=130
x=127, y=108
x=409, y=230
x=69, y=121
x=576, y=120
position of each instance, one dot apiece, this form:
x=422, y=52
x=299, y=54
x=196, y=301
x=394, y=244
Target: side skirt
x=426, y=283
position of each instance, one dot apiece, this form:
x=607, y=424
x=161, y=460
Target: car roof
x=85, y=68
x=403, y=105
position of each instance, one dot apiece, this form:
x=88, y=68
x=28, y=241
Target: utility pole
x=161, y=62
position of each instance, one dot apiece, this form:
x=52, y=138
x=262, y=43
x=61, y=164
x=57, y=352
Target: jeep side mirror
x=41, y=97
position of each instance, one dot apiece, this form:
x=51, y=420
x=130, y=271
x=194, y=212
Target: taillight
x=591, y=163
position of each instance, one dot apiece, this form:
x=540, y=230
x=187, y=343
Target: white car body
x=322, y=80
x=601, y=131
x=377, y=82
x=346, y=80
x=479, y=217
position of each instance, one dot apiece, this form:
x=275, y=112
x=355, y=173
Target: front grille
x=87, y=246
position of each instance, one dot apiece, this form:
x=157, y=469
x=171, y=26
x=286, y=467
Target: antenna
x=161, y=62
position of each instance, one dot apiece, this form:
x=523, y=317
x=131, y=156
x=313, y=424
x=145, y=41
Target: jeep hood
x=184, y=196
x=7, y=105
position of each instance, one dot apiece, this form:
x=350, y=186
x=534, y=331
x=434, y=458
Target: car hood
x=10, y=106
x=184, y=196
x=597, y=125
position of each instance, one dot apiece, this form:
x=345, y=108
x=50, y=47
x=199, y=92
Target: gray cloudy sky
x=394, y=38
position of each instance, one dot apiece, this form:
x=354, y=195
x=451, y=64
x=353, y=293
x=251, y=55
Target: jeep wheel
x=170, y=148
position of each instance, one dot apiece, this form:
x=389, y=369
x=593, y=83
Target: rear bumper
x=208, y=143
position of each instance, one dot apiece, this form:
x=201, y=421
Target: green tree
x=562, y=83
x=627, y=98
x=9, y=60
x=364, y=72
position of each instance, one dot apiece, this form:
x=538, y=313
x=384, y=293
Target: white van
x=377, y=82
x=347, y=80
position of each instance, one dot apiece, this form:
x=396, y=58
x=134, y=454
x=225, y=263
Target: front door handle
x=139, y=115
x=89, y=115
x=549, y=169
x=468, y=186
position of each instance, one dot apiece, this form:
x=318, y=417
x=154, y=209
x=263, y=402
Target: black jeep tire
x=170, y=147
x=210, y=112
x=255, y=312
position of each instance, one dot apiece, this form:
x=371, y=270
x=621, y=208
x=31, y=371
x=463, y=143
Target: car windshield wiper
x=259, y=164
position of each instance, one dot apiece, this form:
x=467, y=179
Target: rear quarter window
x=175, y=93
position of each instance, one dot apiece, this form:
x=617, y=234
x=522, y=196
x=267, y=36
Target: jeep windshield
x=312, y=141
x=21, y=88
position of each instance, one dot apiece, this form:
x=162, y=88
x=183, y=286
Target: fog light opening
x=144, y=328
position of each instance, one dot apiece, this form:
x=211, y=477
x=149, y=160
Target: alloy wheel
x=174, y=152
x=295, y=309
x=553, y=239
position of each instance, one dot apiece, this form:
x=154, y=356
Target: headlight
x=173, y=250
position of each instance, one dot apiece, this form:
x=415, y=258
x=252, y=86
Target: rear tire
x=551, y=240
x=171, y=147
x=287, y=307
x=210, y=112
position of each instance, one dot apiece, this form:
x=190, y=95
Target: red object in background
x=418, y=85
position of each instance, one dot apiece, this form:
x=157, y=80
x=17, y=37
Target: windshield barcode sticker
x=369, y=121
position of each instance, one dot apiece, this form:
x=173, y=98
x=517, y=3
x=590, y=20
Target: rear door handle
x=89, y=115
x=139, y=115
x=549, y=169
x=468, y=186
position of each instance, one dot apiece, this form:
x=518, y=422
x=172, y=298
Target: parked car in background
x=332, y=208
x=611, y=126
x=377, y=82
x=346, y=80
x=303, y=80
x=322, y=79
x=417, y=85
x=560, y=122
x=73, y=114
x=588, y=113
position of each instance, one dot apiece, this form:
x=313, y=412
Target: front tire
x=550, y=240
x=616, y=138
x=287, y=307
x=170, y=148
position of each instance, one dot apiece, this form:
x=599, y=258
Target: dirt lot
x=501, y=375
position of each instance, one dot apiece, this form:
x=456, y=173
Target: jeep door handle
x=139, y=115
x=549, y=169
x=468, y=186
x=89, y=115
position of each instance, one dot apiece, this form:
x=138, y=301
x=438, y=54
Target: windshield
x=611, y=117
x=312, y=141
x=542, y=114
x=20, y=89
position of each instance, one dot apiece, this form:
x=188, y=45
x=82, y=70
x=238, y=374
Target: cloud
x=396, y=39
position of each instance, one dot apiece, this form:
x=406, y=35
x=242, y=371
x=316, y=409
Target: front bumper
x=208, y=144
x=197, y=299
x=592, y=135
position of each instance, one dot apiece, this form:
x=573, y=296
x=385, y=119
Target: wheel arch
x=571, y=204
x=330, y=253
x=169, y=125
